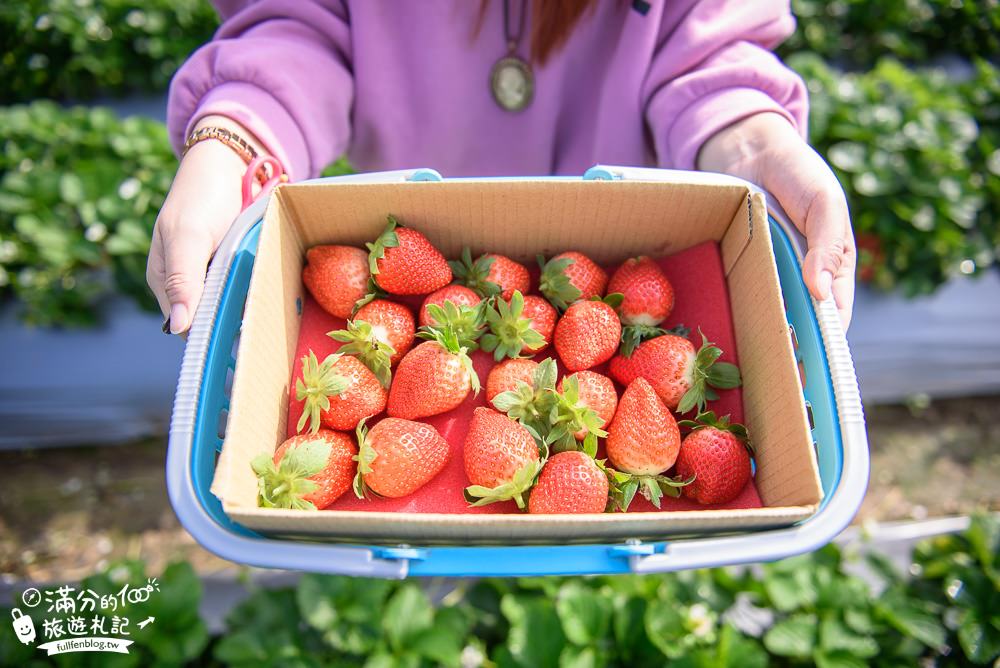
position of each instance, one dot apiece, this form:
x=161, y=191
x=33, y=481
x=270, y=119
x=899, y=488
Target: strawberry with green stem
x=716, y=455
x=511, y=334
x=459, y=295
x=642, y=444
x=466, y=323
x=306, y=472
x=337, y=393
x=491, y=275
x=683, y=377
x=397, y=457
x=433, y=378
x=532, y=403
x=502, y=459
x=569, y=277
x=381, y=333
x=585, y=404
x=403, y=261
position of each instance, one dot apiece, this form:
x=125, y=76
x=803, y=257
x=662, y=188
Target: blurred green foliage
x=812, y=610
x=79, y=192
x=79, y=49
x=919, y=158
x=856, y=33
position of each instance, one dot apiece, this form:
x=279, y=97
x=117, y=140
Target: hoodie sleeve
x=282, y=68
x=712, y=67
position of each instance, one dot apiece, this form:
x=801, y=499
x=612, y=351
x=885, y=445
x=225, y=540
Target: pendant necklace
x=511, y=79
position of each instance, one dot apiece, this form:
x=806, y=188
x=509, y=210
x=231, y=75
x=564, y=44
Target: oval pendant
x=512, y=83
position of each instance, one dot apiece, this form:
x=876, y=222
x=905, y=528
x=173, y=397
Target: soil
x=66, y=512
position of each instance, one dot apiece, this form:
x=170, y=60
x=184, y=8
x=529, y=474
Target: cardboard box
x=607, y=220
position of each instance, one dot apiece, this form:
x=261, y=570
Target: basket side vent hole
x=228, y=388
x=809, y=414
x=223, y=421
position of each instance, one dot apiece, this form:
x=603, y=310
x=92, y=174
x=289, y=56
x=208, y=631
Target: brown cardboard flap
x=608, y=220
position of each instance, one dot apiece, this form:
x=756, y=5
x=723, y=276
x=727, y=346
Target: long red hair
x=552, y=22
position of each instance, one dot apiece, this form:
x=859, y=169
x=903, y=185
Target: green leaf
x=665, y=627
x=536, y=637
x=794, y=637
x=407, y=614
x=838, y=659
x=835, y=636
x=585, y=614
x=907, y=619
x=979, y=639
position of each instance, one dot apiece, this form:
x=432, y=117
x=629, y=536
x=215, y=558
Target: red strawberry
x=570, y=277
x=380, y=334
x=459, y=295
x=491, y=274
x=543, y=318
x=433, y=378
x=501, y=459
x=592, y=391
x=398, y=457
x=681, y=376
x=570, y=482
x=402, y=261
x=338, y=393
x=505, y=376
x=511, y=333
x=648, y=297
x=337, y=277
x=716, y=454
x=587, y=335
x=643, y=441
x=306, y=472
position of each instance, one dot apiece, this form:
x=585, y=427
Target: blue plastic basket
x=831, y=395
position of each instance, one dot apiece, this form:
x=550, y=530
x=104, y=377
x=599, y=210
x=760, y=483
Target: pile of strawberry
x=538, y=445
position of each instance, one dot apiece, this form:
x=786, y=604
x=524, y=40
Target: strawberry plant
x=78, y=50
x=804, y=611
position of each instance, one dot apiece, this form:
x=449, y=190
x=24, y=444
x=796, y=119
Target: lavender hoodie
x=406, y=84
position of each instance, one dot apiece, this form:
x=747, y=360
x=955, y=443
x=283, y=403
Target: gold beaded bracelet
x=239, y=145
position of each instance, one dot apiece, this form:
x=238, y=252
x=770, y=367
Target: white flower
x=8, y=251
x=96, y=232
x=129, y=188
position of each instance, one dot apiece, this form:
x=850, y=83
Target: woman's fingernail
x=178, y=318
x=825, y=284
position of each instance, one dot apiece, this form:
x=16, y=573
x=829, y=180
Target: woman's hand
x=766, y=150
x=203, y=201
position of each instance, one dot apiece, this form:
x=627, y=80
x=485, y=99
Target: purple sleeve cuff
x=709, y=114
x=261, y=114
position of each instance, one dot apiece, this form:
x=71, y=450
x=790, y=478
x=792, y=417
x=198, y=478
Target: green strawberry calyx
x=376, y=249
x=614, y=300
x=287, y=484
x=623, y=487
x=473, y=274
x=319, y=382
x=569, y=416
x=555, y=284
x=633, y=335
x=448, y=338
x=366, y=455
x=532, y=404
x=515, y=488
x=708, y=375
x=510, y=332
x=708, y=420
x=361, y=341
x=466, y=322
